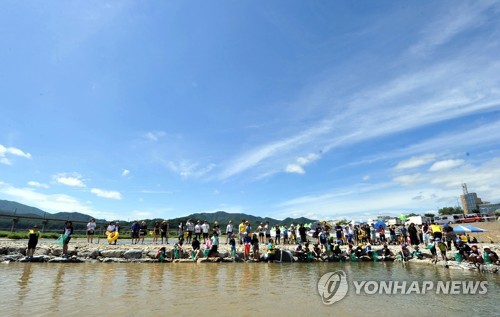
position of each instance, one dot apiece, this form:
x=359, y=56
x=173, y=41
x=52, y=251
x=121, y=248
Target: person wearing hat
x=463, y=249
x=33, y=236
x=493, y=257
x=442, y=248
x=432, y=248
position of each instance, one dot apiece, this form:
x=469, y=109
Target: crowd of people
x=322, y=242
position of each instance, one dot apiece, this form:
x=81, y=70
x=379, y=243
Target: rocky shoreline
x=80, y=252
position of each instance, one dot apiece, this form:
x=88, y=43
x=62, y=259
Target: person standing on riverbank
x=91, y=226
x=302, y=233
x=260, y=230
x=242, y=231
x=413, y=233
x=204, y=229
x=268, y=231
x=190, y=230
x=135, y=228
x=143, y=231
x=197, y=230
x=215, y=244
x=229, y=231
x=33, y=236
x=156, y=232
x=255, y=247
x=68, y=231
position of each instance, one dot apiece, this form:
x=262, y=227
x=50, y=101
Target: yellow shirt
x=436, y=228
x=243, y=227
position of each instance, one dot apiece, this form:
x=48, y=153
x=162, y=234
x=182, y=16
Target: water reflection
x=69, y=289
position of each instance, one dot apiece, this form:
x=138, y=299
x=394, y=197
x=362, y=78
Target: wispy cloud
x=155, y=135
x=462, y=17
x=71, y=179
x=50, y=203
x=125, y=172
x=11, y=151
x=37, y=184
x=445, y=165
x=298, y=166
x=404, y=193
x=416, y=161
x=106, y=193
x=187, y=168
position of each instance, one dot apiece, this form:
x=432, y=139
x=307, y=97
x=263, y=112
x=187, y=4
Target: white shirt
x=91, y=226
x=197, y=228
x=205, y=227
x=229, y=227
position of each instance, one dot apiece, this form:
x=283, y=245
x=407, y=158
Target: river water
x=240, y=289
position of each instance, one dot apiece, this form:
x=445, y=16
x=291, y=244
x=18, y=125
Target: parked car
x=470, y=218
x=449, y=219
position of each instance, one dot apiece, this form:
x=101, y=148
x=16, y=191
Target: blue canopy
x=474, y=229
x=379, y=224
x=461, y=229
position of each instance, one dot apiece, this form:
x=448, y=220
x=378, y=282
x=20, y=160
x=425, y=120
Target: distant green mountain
x=9, y=207
x=223, y=218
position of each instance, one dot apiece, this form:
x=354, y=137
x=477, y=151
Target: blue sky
x=324, y=109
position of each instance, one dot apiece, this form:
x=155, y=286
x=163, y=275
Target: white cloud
x=187, y=168
x=72, y=180
x=49, y=203
x=155, y=135
x=419, y=192
x=4, y=151
x=311, y=157
x=445, y=165
x=125, y=172
x=416, y=161
x=294, y=168
x=298, y=167
x=461, y=18
x=106, y=194
x=37, y=184
x=366, y=177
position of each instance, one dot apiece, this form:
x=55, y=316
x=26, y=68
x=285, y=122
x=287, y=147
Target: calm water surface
x=241, y=289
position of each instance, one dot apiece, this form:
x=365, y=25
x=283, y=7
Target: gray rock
x=11, y=257
x=58, y=260
x=17, y=250
x=91, y=254
x=42, y=251
x=113, y=260
x=133, y=254
x=56, y=252
x=112, y=253
x=143, y=260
